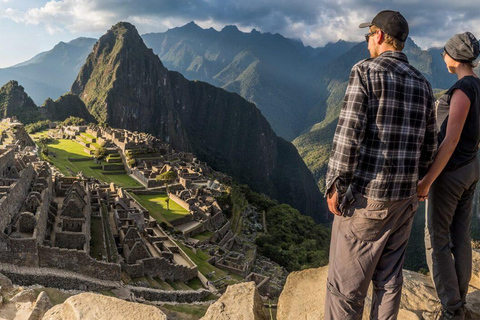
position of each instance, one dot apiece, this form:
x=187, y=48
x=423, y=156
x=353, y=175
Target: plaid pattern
x=385, y=138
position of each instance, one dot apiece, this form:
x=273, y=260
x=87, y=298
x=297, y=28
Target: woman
x=450, y=181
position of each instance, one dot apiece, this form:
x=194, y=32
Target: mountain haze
x=124, y=84
x=50, y=74
x=267, y=69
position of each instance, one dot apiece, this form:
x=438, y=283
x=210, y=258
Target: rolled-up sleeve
x=349, y=133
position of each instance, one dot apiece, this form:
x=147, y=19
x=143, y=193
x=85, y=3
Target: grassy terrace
x=157, y=207
x=204, y=235
x=200, y=259
x=60, y=152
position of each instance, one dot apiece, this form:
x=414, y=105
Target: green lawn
x=204, y=235
x=62, y=149
x=195, y=283
x=157, y=207
x=200, y=259
x=35, y=136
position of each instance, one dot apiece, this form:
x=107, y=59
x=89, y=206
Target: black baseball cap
x=391, y=22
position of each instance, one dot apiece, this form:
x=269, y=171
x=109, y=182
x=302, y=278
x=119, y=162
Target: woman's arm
x=459, y=106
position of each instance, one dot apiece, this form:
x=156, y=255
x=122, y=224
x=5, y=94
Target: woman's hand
x=422, y=190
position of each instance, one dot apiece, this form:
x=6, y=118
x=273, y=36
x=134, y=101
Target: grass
x=162, y=284
x=194, y=310
x=200, y=259
x=108, y=293
x=204, y=235
x=195, y=283
x=97, y=251
x=39, y=134
x=157, y=207
x=56, y=296
x=62, y=149
x=178, y=285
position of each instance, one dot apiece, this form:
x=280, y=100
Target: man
x=384, y=141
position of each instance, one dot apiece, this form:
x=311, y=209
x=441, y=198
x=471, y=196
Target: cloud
x=315, y=22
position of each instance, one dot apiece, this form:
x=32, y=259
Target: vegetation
x=74, y=121
x=100, y=152
x=293, y=240
x=60, y=152
x=156, y=205
x=187, y=310
x=37, y=126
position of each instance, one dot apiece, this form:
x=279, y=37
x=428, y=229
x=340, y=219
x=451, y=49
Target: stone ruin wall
x=159, y=267
x=42, y=213
x=179, y=296
x=56, y=281
x=21, y=252
x=78, y=261
x=14, y=200
x=7, y=160
x=167, y=271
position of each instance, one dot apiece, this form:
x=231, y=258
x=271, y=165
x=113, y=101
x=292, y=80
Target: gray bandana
x=463, y=47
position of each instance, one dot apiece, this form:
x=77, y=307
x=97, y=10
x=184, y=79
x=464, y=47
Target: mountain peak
x=123, y=28
x=192, y=26
x=230, y=28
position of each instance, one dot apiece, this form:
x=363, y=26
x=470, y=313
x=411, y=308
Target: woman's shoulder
x=470, y=85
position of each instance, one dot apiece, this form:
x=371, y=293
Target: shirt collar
x=395, y=54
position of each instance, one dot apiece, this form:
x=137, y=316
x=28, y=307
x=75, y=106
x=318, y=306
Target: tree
x=167, y=177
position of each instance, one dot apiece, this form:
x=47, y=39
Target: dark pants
x=447, y=233
x=368, y=244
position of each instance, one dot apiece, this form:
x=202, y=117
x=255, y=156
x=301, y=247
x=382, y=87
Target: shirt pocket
x=368, y=224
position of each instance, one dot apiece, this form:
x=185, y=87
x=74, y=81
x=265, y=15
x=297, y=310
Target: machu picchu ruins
x=158, y=234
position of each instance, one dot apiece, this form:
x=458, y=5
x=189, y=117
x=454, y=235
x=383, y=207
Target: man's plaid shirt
x=385, y=138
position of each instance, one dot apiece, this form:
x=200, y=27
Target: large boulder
x=303, y=296
x=240, y=301
x=5, y=283
x=42, y=305
x=95, y=306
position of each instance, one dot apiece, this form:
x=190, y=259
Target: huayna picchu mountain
x=123, y=83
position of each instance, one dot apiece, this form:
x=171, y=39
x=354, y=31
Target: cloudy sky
x=31, y=26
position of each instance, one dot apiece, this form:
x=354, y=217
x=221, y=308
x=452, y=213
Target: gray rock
x=24, y=296
x=5, y=282
x=42, y=305
x=240, y=301
x=87, y=306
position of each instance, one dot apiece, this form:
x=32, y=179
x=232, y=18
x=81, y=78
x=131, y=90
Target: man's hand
x=332, y=200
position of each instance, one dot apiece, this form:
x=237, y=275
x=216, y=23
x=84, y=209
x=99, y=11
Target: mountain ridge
x=124, y=84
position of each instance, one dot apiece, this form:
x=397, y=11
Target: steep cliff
x=66, y=106
x=15, y=102
x=124, y=84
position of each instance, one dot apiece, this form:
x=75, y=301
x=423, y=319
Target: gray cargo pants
x=368, y=244
x=447, y=233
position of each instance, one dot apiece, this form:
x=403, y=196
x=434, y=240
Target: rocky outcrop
x=68, y=105
x=42, y=305
x=15, y=102
x=5, y=282
x=95, y=306
x=124, y=84
x=240, y=301
x=303, y=296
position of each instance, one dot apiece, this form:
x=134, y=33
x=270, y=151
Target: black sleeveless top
x=466, y=150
